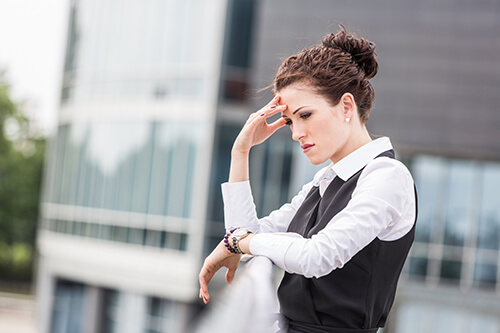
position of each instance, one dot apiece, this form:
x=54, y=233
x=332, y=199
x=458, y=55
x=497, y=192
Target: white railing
x=248, y=305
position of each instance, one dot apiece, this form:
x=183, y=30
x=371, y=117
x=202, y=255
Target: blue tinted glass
x=270, y=177
x=142, y=171
x=100, y=65
x=159, y=170
x=461, y=200
x=179, y=175
x=68, y=308
x=71, y=156
x=224, y=138
x=110, y=313
x=451, y=269
x=486, y=266
x=418, y=266
x=489, y=223
x=429, y=175
x=153, y=238
x=485, y=273
x=182, y=141
x=58, y=179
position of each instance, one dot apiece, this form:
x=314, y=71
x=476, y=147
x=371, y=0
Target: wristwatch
x=238, y=235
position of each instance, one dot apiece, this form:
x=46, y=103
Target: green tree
x=21, y=165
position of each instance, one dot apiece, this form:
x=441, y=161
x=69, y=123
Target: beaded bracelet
x=226, y=241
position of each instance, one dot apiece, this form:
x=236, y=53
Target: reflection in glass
x=110, y=314
x=485, y=273
x=489, y=223
x=225, y=135
x=68, y=308
x=161, y=316
x=271, y=173
x=136, y=236
x=153, y=238
x=418, y=266
x=101, y=65
x=429, y=176
x=460, y=201
x=138, y=167
x=119, y=234
x=451, y=269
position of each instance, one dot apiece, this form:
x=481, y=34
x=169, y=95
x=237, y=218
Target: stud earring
x=347, y=120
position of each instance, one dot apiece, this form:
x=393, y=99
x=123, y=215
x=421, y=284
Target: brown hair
x=341, y=63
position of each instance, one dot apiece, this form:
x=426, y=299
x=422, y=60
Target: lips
x=306, y=147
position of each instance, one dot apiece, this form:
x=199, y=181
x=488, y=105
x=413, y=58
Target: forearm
x=238, y=171
x=244, y=244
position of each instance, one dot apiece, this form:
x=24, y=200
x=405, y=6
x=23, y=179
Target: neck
x=358, y=139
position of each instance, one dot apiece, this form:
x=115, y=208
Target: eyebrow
x=294, y=112
x=305, y=106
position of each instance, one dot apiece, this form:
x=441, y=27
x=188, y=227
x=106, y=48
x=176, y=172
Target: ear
x=348, y=105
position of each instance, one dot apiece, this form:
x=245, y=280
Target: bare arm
x=255, y=131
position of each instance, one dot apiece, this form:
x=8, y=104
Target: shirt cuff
x=239, y=208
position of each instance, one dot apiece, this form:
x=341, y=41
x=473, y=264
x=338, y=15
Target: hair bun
x=361, y=50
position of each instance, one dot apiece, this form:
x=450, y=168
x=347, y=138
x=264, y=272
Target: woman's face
x=320, y=128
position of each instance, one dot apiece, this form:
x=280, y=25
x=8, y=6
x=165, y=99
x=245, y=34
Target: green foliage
x=21, y=164
x=16, y=262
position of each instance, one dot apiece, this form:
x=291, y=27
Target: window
x=68, y=309
x=161, y=316
x=110, y=313
x=458, y=229
x=164, y=62
x=238, y=49
x=138, y=167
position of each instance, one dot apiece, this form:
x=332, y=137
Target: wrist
x=240, y=152
x=233, y=240
x=244, y=244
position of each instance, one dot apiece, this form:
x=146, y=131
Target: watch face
x=240, y=232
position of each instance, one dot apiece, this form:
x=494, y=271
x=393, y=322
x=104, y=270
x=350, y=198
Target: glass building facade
x=144, y=168
x=154, y=93
x=458, y=236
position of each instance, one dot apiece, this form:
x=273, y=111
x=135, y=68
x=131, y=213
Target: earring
x=347, y=120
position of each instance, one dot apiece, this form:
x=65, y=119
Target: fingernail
x=273, y=107
x=262, y=114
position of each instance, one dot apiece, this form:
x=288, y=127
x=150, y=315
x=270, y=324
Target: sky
x=32, y=44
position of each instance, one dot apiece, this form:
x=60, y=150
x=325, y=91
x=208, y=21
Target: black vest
x=360, y=294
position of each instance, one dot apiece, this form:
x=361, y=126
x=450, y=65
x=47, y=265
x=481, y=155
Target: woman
x=343, y=239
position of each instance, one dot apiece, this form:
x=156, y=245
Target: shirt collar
x=355, y=161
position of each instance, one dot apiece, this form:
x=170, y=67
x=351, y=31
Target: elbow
x=317, y=261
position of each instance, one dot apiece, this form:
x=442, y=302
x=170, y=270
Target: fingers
x=265, y=112
x=270, y=109
x=205, y=276
x=230, y=275
x=274, y=101
x=277, y=124
x=205, y=296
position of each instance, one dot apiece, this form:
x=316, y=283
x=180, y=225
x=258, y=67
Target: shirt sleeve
x=382, y=205
x=239, y=209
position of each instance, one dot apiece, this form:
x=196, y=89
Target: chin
x=316, y=160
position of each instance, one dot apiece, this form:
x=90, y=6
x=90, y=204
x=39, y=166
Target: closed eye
x=288, y=122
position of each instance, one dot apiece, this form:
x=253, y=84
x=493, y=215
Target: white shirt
x=382, y=205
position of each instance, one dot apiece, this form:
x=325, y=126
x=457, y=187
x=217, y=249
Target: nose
x=297, y=132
